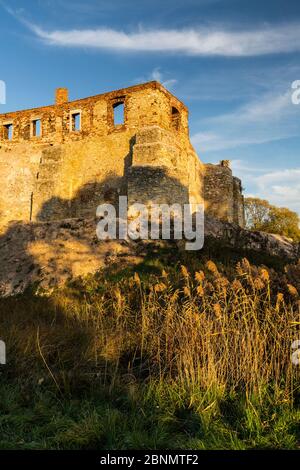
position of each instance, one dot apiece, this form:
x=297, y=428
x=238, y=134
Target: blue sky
x=231, y=61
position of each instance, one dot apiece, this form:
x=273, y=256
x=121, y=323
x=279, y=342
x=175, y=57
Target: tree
x=256, y=213
x=261, y=215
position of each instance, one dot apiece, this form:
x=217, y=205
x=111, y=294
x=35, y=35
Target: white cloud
x=157, y=75
x=205, y=142
x=242, y=166
x=280, y=187
x=199, y=41
x=283, y=186
x=269, y=118
x=270, y=106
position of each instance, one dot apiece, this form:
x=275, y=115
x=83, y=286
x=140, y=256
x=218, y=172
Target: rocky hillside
x=52, y=253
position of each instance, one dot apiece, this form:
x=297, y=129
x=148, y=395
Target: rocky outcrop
x=49, y=254
x=234, y=236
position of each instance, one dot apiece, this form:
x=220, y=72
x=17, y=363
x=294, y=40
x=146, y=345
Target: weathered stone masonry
x=63, y=160
x=223, y=193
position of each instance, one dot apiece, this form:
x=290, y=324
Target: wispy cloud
x=281, y=188
x=271, y=106
x=206, y=142
x=159, y=76
x=199, y=41
x=241, y=166
x=268, y=118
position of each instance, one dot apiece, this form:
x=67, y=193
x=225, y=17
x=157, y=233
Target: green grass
x=161, y=359
x=156, y=416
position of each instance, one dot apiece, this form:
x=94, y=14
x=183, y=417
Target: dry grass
x=202, y=330
x=196, y=338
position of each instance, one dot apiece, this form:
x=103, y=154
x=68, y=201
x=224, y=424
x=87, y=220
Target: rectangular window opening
x=175, y=118
x=119, y=116
x=76, y=122
x=8, y=131
x=36, y=128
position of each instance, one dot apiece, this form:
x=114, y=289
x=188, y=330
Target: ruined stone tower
x=223, y=193
x=63, y=160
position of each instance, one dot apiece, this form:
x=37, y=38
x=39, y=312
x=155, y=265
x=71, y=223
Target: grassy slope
x=170, y=357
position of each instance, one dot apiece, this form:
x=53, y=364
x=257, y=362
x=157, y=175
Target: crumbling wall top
x=61, y=98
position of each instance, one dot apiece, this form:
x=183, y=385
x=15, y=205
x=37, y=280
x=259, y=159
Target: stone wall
x=223, y=193
x=66, y=172
x=238, y=203
x=164, y=169
x=81, y=157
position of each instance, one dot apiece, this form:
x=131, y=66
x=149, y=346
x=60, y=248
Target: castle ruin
x=62, y=161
